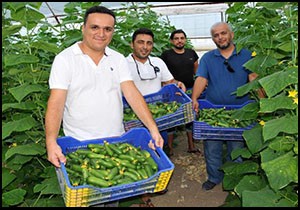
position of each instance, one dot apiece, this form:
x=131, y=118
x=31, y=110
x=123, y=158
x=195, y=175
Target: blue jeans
x=213, y=151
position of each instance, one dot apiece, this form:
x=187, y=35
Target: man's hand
x=55, y=155
x=181, y=86
x=159, y=141
x=195, y=105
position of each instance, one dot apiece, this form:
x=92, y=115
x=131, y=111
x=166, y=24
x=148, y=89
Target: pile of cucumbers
x=109, y=164
x=221, y=117
x=158, y=109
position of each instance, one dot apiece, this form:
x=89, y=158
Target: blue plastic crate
x=167, y=93
x=86, y=195
x=204, y=131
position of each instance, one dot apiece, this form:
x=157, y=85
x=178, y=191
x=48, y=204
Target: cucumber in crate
x=221, y=122
x=170, y=107
x=108, y=169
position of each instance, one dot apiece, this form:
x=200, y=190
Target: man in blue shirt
x=221, y=72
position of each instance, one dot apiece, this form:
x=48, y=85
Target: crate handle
x=156, y=153
x=178, y=93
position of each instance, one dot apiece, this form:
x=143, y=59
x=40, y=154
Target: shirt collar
x=77, y=51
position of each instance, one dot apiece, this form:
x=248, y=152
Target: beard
x=179, y=47
x=223, y=47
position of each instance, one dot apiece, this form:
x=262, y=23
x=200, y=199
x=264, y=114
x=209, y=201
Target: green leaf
x=46, y=46
x=7, y=177
x=13, y=197
x=254, y=139
x=48, y=186
x=11, y=60
x=275, y=83
x=250, y=182
x=27, y=14
x=18, y=161
x=269, y=105
x=19, y=125
x=230, y=181
x=246, y=88
x=282, y=143
x=247, y=112
x=28, y=105
x=264, y=198
x=282, y=170
x=286, y=32
x=268, y=154
x=239, y=168
x=10, y=30
x=22, y=91
x=285, y=46
x=243, y=152
x=284, y=124
x=27, y=149
x=260, y=63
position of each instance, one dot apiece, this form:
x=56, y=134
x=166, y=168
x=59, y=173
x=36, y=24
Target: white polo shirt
x=93, y=107
x=147, y=72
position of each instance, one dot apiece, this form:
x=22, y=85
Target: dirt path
x=184, y=188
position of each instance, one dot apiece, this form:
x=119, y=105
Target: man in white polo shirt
x=87, y=81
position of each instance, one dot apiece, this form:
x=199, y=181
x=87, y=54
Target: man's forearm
x=52, y=125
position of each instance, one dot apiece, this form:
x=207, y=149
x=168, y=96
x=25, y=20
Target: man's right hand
x=195, y=105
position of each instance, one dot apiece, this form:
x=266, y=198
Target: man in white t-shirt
x=149, y=73
x=87, y=80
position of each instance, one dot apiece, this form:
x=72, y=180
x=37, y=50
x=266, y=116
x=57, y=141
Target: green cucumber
x=113, y=172
x=98, y=182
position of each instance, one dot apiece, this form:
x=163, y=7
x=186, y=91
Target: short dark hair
x=98, y=9
x=142, y=31
x=178, y=31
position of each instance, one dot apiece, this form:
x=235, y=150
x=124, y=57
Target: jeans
x=213, y=151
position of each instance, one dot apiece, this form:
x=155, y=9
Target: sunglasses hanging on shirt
x=155, y=68
x=229, y=67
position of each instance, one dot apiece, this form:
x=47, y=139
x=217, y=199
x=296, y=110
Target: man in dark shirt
x=182, y=63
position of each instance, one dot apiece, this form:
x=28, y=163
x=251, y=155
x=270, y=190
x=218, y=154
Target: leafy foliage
x=271, y=31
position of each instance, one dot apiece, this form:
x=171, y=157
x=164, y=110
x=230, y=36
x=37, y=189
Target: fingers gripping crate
x=86, y=195
x=204, y=131
x=168, y=93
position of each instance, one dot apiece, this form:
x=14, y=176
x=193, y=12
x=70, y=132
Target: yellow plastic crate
x=86, y=195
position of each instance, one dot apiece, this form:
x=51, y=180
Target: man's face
x=142, y=46
x=98, y=31
x=178, y=41
x=222, y=36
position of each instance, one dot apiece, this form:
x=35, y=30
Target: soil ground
x=184, y=188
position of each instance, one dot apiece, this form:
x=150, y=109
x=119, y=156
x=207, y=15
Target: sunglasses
x=155, y=68
x=229, y=67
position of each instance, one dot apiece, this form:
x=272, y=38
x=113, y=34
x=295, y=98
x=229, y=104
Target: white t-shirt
x=153, y=82
x=93, y=107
